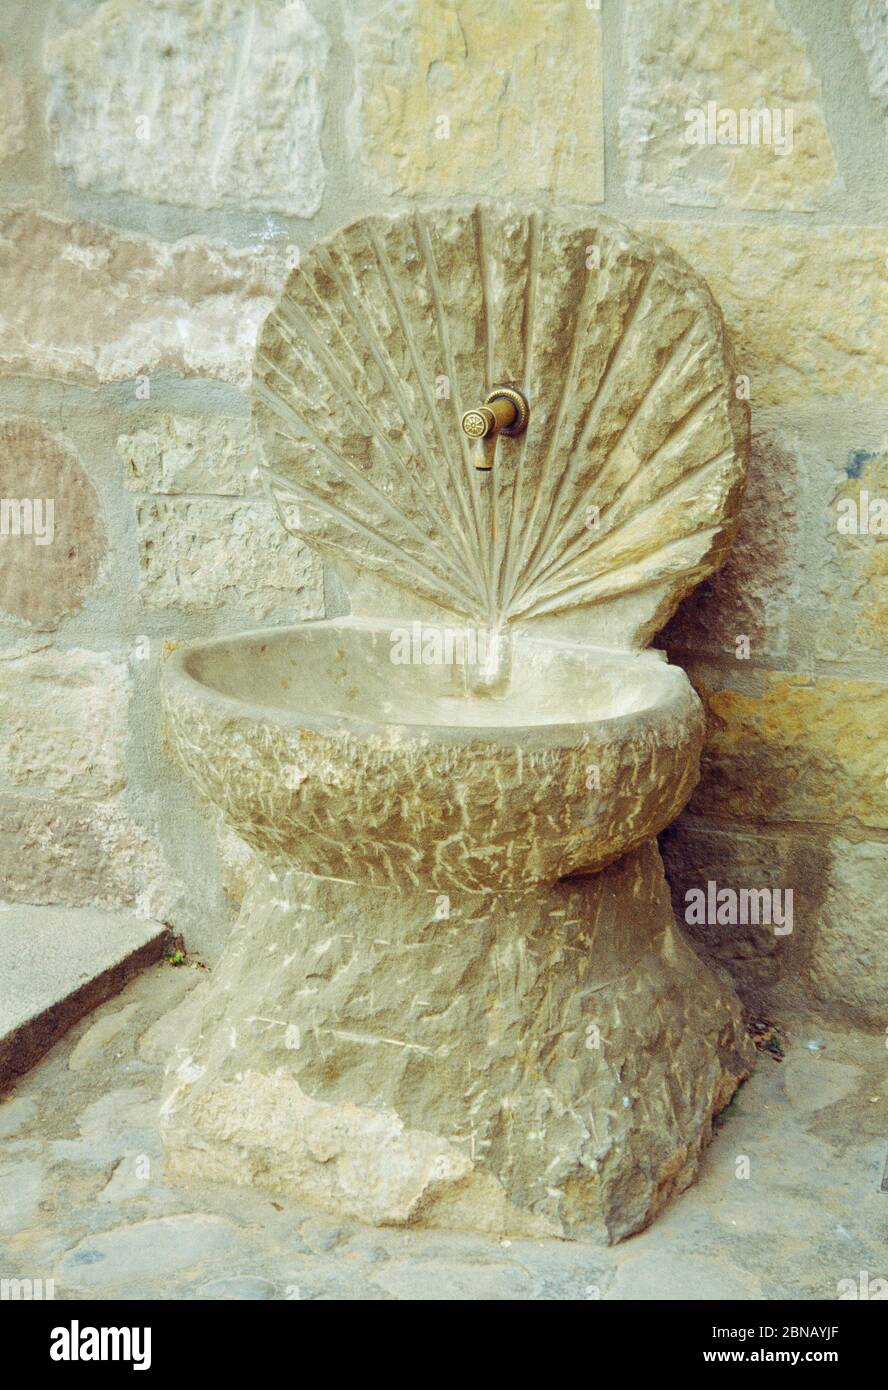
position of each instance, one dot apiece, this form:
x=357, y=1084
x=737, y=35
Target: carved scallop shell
x=617, y=499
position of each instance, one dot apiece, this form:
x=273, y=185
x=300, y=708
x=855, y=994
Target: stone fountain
x=456, y=994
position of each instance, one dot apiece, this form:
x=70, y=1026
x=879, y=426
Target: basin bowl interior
x=352, y=673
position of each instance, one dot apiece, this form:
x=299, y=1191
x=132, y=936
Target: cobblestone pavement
x=83, y=1199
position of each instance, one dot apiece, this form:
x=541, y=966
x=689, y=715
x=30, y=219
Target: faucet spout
x=505, y=411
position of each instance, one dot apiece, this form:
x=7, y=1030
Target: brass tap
x=505, y=411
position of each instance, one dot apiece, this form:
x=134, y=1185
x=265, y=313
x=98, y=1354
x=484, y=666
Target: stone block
x=57, y=965
x=190, y=453
x=790, y=747
x=738, y=858
x=473, y=97
x=702, y=74
x=849, y=559
x=197, y=555
x=847, y=967
x=86, y=303
x=52, y=530
x=79, y=853
x=203, y=103
x=802, y=306
x=64, y=718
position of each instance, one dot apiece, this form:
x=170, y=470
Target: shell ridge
x=434, y=415
x=578, y=338
x=363, y=323
x=361, y=483
x=638, y=519
x=344, y=385
x=509, y=558
x=393, y=324
x=581, y=545
x=603, y=388
x=433, y=584
x=425, y=244
x=599, y=479
x=590, y=591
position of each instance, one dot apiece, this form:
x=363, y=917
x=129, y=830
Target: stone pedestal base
x=544, y=1062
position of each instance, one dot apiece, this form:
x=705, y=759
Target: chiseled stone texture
x=490, y=1071
x=851, y=569
x=82, y=302
x=482, y=97
x=191, y=453
x=40, y=583
x=681, y=54
x=801, y=748
x=803, y=308
x=753, y=594
x=198, y=555
x=204, y=103
x=13, y=112
x=64, y=720
x=327, y=732
x=78, y=853
x=238, y=863
x=869, y=21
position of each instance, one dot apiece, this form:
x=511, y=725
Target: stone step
x=58, y=963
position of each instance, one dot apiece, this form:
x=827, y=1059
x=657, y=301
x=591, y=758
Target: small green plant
x=176, y=955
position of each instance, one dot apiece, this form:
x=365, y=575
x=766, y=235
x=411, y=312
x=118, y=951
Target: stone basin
x=456, y=994
x=325, y=754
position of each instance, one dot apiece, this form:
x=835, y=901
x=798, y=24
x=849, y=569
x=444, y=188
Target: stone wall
x=163, y=163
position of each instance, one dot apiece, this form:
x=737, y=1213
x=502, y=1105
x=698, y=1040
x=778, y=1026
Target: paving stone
x=809, y=1214
x=135, y=1179
x=56, y=965
x=242, y=1287
x=450, y=1281
x=15, y=1113
x=167, y=1245
x=813, y=1081
x=322, y=1234
x=102, y=1032
x=117, y=1109
x=694, y=1277
x=21, y=1185
x=159, y=1042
